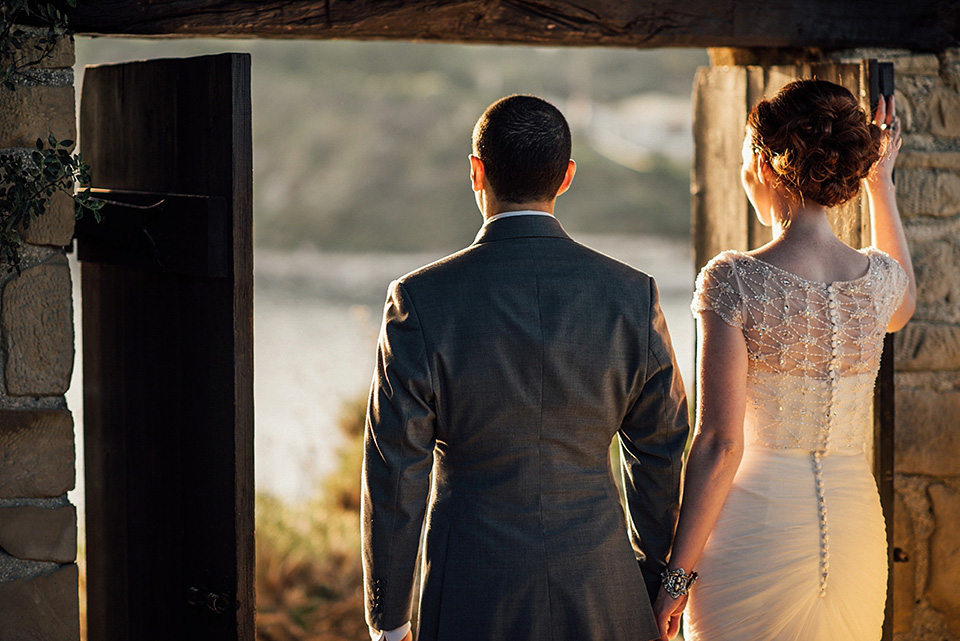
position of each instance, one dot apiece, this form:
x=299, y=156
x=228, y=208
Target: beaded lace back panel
x=814, y=348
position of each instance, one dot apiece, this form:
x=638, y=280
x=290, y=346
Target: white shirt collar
x=522, y=212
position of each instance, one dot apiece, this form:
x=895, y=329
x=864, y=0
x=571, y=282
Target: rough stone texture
x=925, y=160
x=905, y=569
x=941, y=113
x=915, y=64
x=928, y=623
x=39, y=534
x=935, y=252
x=950, y=68
x=36, y=453
x=912, y=93
x=905, y=111
x=942, y=589
x=62, y=55
x=55, y=227
x=37, y=315
x=927, y=438
x=30, y=112
x=42, y=608
x=928, y=193
x=14, y=569
x=924, y=346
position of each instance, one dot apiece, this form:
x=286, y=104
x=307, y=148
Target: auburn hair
x=817, y=139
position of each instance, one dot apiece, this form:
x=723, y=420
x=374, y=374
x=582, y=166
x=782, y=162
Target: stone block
x=41, y=608
x=924, y=346
x=36, y=453
x=36, y=311
x=936, y=255
x=63, y=54
x=912, y=93
x=949, y=160
x=905, y=111
x=32, y=112
x=39, y=534
x=927, y=438
x=942, y=589
x=942, y=112
x=904, y=567
x=950, y=68
x=917, y=64
x=55, y=227
x=928, y=192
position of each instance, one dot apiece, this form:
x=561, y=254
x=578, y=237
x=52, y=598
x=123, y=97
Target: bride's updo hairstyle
x=817, y=139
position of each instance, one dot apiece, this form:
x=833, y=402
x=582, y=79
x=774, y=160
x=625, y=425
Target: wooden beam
x=927, y=25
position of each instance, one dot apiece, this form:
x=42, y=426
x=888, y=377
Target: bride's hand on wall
x=886, y=228
x=886, y=118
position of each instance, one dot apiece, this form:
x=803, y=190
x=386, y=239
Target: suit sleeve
x=399, y=437
x=652, y=441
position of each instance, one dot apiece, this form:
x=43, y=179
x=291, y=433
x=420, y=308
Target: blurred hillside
x=363, y=145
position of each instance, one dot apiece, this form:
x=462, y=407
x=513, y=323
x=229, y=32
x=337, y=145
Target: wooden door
x=168, y=350
x=723, y=218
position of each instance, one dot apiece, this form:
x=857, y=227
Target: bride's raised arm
x=887, y=230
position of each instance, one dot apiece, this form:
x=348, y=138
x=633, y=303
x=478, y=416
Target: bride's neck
x=804, y=225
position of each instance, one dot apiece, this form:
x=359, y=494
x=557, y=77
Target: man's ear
x=477, y=173
x=568, y=177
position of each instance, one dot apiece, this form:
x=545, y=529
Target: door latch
x=202, y=598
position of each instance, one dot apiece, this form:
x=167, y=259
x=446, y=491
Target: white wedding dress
x=799, y=550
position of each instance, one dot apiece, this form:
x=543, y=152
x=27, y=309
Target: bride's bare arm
x=714, y=454
x=887, y=230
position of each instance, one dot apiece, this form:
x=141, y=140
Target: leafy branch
x=27, y=183
x=28, y=180
x=16, y=52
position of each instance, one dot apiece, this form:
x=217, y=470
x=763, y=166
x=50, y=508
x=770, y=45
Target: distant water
x=316, y=318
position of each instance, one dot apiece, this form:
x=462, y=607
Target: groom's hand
x=667, y=611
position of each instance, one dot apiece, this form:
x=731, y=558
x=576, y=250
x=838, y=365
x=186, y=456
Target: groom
x=503, y=373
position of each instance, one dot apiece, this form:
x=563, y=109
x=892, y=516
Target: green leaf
x=52, y=140
x=66, y=143
x=39, y=144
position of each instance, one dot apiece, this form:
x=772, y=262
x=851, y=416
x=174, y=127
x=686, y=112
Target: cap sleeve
x=716, y=291
x=893, y=285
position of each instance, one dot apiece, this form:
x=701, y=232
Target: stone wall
x=927, y=454
x=38, y=525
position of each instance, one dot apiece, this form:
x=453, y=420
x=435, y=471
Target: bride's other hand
x=667, y=610
x=885, y=117
x=886, y=228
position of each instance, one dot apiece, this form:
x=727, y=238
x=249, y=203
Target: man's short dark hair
x=524, y=143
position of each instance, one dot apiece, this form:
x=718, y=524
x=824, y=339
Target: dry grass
x=309, y=577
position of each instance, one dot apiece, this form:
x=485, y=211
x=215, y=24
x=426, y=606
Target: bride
x=781, y=526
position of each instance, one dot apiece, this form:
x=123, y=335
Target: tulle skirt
x=773, y=569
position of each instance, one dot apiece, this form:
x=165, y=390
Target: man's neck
x=520, y=212
x=495, y=209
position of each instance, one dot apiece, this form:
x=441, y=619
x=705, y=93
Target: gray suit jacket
x=503, y=372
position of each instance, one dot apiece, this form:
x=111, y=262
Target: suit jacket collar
x=521, y=227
